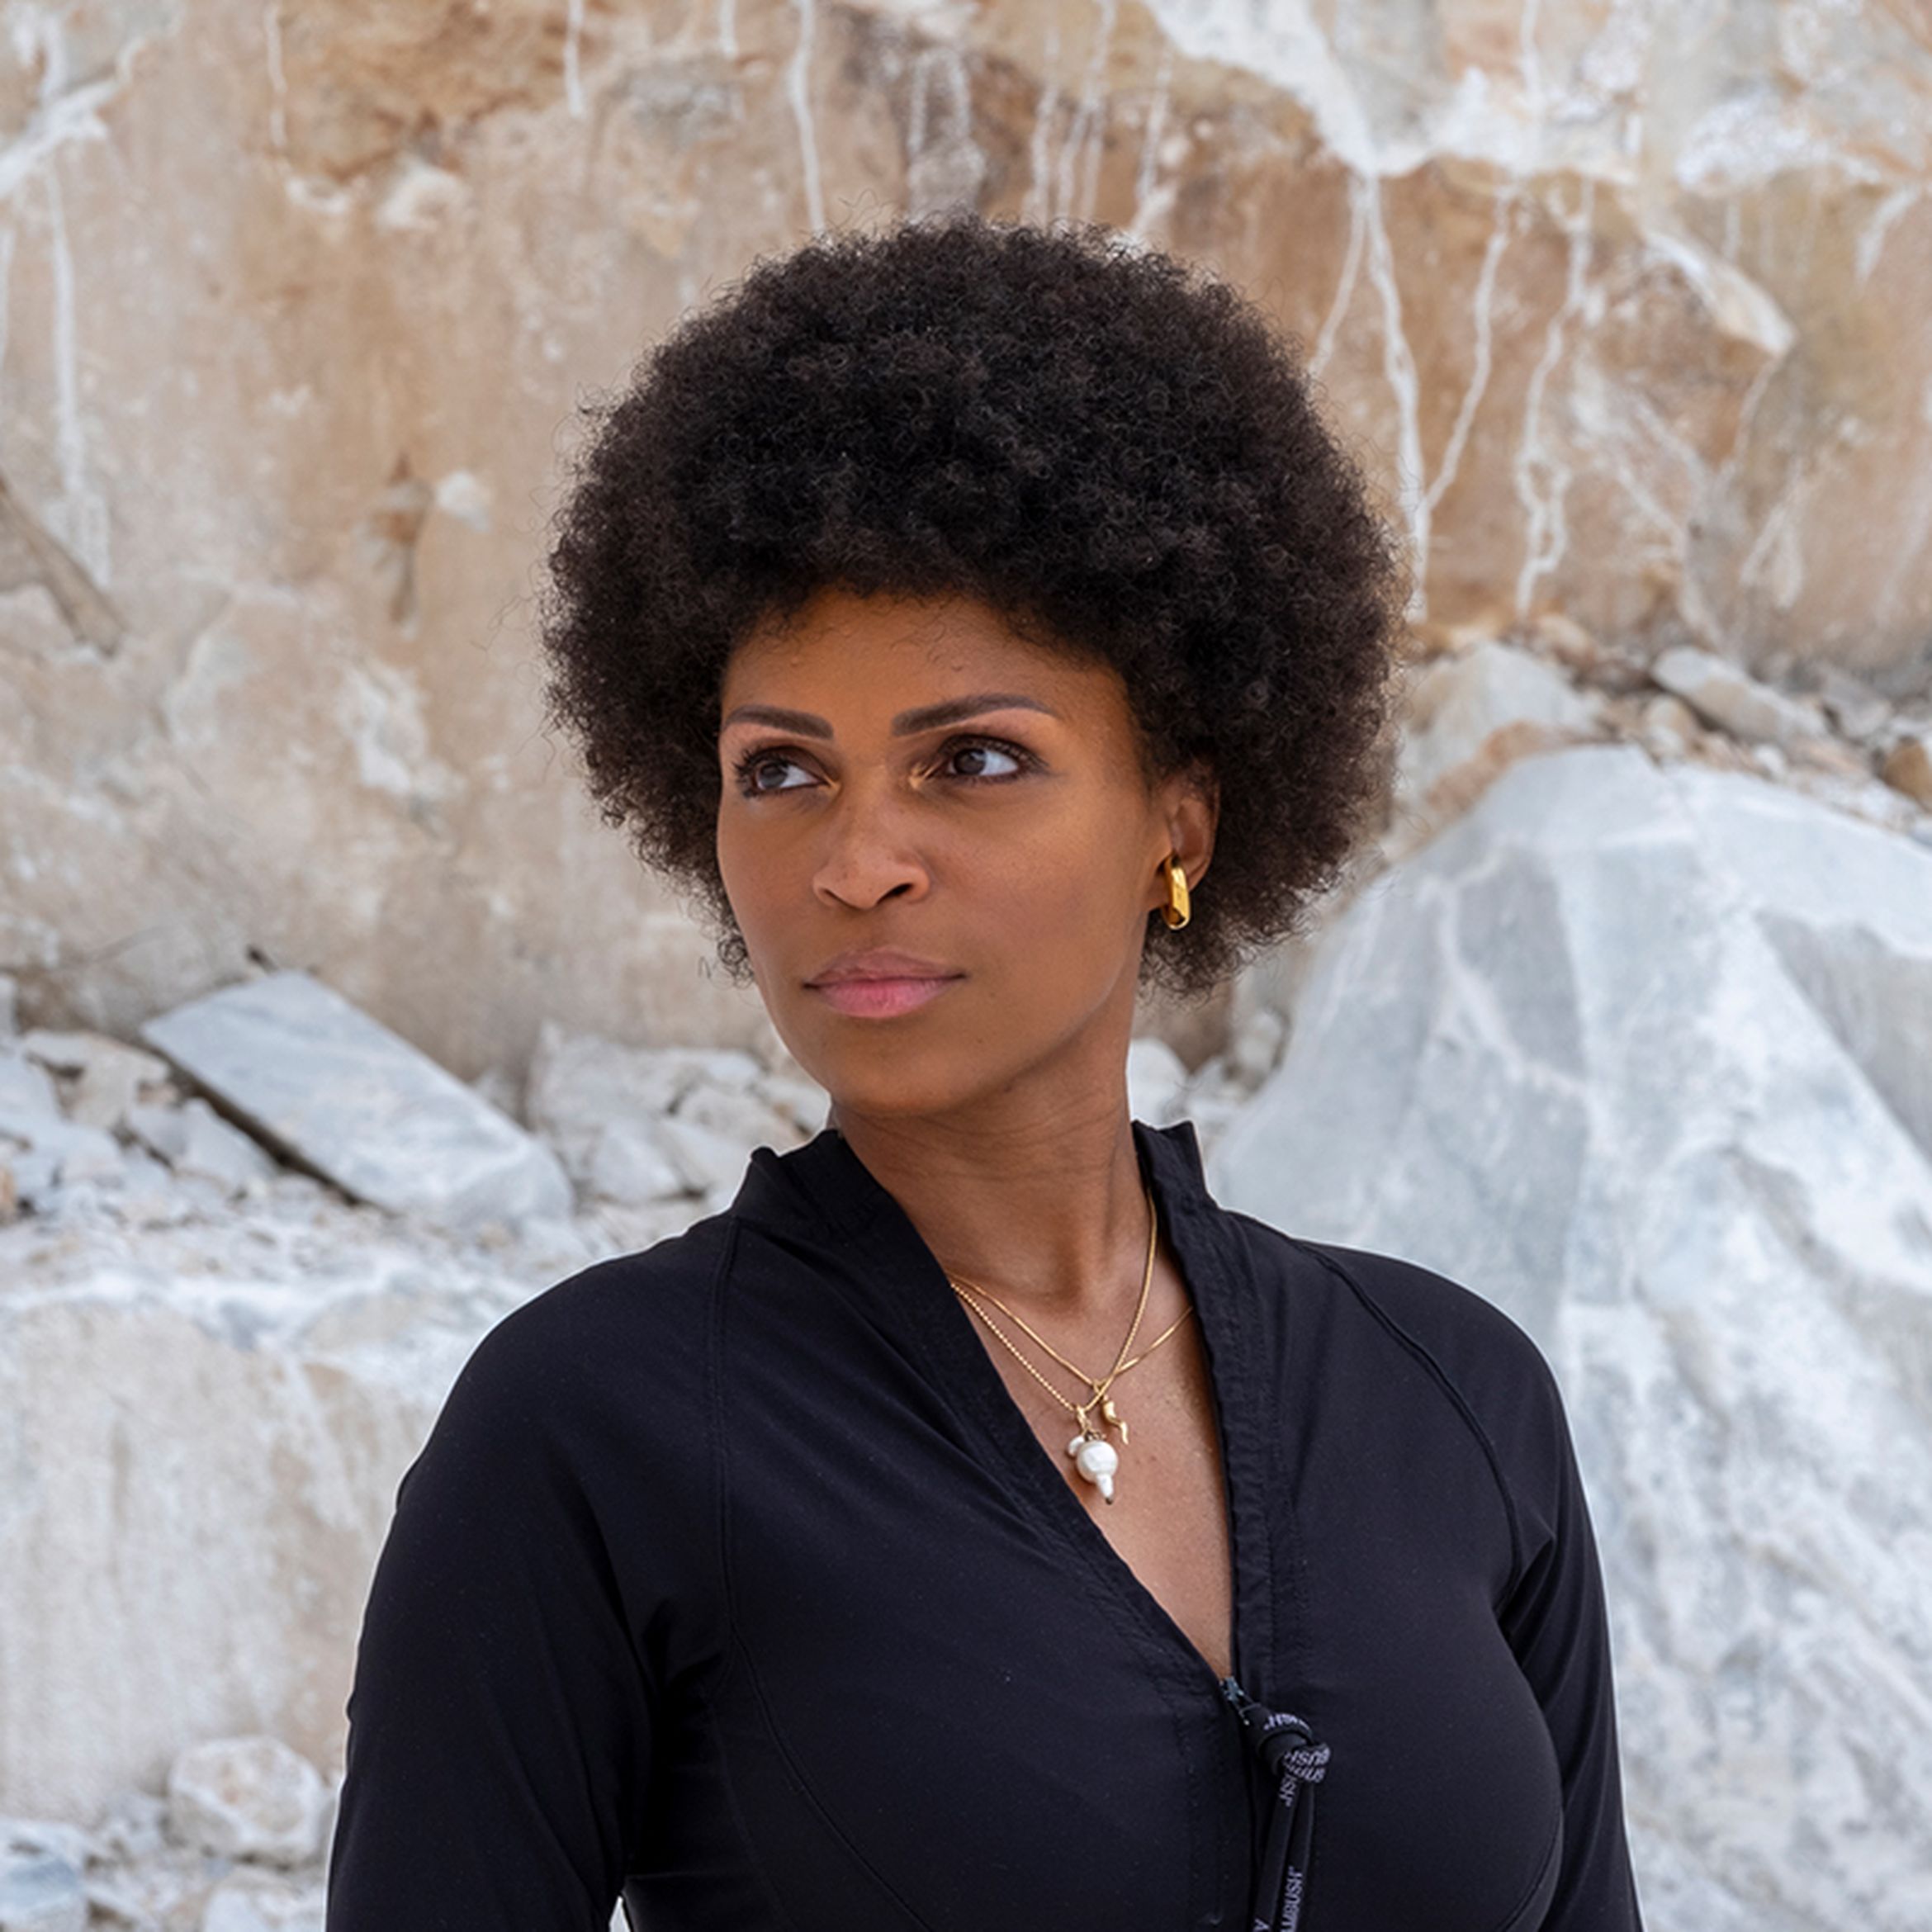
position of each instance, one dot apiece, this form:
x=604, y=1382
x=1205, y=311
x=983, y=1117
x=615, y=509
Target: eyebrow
x=927, y=717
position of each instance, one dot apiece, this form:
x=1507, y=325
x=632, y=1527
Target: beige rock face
x=1624, y=302
x=1909, y=767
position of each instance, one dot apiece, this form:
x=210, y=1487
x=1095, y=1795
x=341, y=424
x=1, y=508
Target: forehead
x=842, y=652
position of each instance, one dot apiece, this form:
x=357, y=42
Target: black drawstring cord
x=1288, y=1750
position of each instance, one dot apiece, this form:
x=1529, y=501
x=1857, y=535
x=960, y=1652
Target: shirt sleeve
x=1557, y=1625
x=499, y=1720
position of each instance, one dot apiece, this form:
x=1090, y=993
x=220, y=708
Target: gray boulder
x=1470, y=715
x=1731, y=699
x=1645, y=1056
x=315, y=1076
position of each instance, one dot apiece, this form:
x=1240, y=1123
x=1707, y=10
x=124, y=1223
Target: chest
x=1167, y=1517
x=945, y=1692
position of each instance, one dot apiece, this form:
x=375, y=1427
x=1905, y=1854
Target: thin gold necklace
x=1096, y=1458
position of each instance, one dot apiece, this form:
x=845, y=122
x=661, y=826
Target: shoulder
x=1487, y=1370
x=617, y=1345
x=566, y=1477
x=1470, y=1342
x=656, y=1293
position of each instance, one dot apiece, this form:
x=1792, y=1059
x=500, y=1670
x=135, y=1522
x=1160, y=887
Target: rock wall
x=1624, y=298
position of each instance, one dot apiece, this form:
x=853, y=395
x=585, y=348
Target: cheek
x=748, y=871
x=1070, y=889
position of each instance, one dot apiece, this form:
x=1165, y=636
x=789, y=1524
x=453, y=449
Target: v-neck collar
x=823, y=1189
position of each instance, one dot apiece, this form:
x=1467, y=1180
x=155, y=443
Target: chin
x=886, y=1077
x=893, y=1092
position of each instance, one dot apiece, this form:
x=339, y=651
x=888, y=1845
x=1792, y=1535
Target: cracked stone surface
x=1644, y=1055
x=1621, y=300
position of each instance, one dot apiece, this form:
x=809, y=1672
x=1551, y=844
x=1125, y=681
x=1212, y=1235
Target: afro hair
x=1115, y=450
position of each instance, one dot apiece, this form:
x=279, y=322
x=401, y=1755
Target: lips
x=881, y=984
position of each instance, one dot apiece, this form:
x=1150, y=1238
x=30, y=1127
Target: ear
x=1188, y=806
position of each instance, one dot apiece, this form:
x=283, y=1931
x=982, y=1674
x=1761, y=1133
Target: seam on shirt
x=1290, y=1659
x=803, y=1787
x=1242, y=1510
x=715, y=1420
x=709, y=1694
x=745, y=1838
x=736, y=1647
x=1286, y=1653
x=1444, y=1380
x=1513, y=1921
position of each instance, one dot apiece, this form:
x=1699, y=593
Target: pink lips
x=880, y=985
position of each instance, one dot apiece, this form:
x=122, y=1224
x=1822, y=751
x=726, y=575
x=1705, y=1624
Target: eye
x=981, y=749
x=751, y=769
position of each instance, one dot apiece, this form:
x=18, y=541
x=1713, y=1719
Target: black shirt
x=733, y=1576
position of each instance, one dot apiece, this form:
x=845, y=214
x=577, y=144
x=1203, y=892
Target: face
x=941, y=848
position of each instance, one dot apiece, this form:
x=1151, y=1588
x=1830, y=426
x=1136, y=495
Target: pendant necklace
x=1096, y=1458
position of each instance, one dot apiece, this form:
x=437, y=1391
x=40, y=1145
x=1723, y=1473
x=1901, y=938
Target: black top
x=732, y=1575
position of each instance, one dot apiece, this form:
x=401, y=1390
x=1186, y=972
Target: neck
x=1046, y=1210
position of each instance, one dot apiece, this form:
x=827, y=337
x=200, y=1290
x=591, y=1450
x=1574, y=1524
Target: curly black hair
x=1117, y=452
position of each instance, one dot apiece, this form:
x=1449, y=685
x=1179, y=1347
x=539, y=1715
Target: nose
x=868, y=855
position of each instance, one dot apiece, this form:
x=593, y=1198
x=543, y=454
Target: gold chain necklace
x=1096, y=1458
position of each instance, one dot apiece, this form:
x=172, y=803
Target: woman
x=976, y=1527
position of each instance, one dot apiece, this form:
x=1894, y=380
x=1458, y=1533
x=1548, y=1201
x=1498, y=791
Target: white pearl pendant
x=1096, y=1459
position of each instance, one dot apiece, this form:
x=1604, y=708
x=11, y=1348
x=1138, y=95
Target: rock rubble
x=1653, y=922
x=309, y=1072
x=1473, y=703
x=238, y=1844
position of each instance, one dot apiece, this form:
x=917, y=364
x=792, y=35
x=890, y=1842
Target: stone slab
x=316, y=1078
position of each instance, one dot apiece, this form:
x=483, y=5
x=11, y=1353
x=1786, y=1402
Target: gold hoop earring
x=1175, y=911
